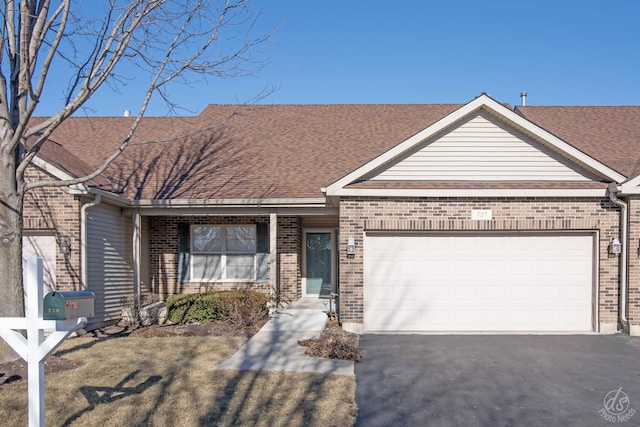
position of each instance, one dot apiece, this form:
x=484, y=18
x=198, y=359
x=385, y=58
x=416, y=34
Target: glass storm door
x=319, y=266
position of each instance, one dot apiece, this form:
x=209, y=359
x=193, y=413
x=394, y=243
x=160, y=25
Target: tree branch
x=137, y=33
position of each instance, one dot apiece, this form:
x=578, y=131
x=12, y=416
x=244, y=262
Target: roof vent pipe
x=523, y=96
x=126, y=113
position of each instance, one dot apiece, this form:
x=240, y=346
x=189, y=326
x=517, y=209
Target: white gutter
x=120, y=201
x=264, y=203
x=470, y=192
x=623, y=258
x=116, y=200
x=83, y=235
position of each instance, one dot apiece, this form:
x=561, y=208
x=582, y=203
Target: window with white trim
x=223, y=252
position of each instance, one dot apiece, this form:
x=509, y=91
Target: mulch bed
x=334, y=343
x=17, y=370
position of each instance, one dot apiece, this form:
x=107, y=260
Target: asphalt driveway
x=498, y=380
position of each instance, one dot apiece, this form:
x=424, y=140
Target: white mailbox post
x=34, y=349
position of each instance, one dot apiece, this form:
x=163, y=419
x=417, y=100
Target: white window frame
x=223, y=253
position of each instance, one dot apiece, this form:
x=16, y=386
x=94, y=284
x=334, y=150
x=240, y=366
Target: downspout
x=623, y=258
x=137, y=244
x=273, y=262
x=83, y=235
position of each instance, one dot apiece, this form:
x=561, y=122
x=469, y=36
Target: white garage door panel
x=45, y=247
x=483, y=283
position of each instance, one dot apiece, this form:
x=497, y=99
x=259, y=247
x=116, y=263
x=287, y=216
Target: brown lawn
x=169, y=381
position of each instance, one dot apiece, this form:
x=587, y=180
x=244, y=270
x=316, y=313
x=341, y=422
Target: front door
x=319, y=271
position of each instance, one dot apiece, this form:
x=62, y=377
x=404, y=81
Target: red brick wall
x=358, y=215
x=163, y=255
x=54, y=211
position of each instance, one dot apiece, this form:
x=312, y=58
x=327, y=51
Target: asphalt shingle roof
x=263, y=151
x=609, y=134
x=292, y=151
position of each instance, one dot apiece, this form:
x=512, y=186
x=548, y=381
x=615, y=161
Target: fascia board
x=51, y=169
x=630, y=187
x=486, y=102
x=260, y=203
x=474, y=192
x=240, y=211
x=315, y=203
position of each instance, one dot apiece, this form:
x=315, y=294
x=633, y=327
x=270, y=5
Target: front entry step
x=310, y=303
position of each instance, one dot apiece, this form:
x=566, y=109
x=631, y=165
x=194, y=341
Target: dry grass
x=167, y=381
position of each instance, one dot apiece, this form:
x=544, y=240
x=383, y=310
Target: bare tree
x=172, y=41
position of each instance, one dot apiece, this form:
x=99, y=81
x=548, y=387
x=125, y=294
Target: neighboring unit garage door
x=478, y=282
x=45, y=247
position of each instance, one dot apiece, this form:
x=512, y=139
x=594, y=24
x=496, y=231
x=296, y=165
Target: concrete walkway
x=275, y=346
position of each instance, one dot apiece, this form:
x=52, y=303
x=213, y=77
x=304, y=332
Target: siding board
x=109, y=260
x=482, y=149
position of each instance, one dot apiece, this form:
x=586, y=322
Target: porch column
x=137, y=245
x=273, y=256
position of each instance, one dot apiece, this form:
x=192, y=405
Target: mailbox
x=68, y=305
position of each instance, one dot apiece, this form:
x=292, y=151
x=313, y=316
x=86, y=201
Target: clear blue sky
x=562, y=52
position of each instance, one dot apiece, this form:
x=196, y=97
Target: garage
x=478, y=282
x=45, y=247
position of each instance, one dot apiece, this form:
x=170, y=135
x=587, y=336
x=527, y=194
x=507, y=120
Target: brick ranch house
x=423, y=218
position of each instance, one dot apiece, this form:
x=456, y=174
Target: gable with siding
x=481, y=148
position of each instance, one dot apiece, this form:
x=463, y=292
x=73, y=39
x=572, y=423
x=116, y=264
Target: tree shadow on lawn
x=280, y=398
x=102, y=395
x=172, y=382
x=220, y=397
x=97, y=338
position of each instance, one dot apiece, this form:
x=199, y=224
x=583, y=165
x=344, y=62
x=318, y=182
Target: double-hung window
x=223, y=252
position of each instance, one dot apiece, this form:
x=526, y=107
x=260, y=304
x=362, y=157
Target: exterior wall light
x=65, y=245
x=615, y=247
x=351, y=246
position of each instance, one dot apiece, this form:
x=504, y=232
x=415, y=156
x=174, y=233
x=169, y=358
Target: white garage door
x=478, y=282
x=44, y=247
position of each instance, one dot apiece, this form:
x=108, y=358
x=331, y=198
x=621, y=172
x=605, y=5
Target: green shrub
x=242, y=308
x=177, y=307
